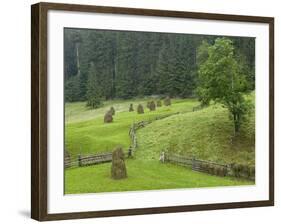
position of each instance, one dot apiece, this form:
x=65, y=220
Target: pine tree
x=131, y=64
x=93, y=89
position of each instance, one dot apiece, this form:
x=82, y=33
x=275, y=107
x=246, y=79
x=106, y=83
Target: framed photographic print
x=140, y=111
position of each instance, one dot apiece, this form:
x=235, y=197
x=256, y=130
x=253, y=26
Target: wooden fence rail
x=70, y=163
x=94, y=159
x=176, y=159
x=135, y=126
x=199, y=107
x=195, y=164
x=86, y=160
x=235, y=170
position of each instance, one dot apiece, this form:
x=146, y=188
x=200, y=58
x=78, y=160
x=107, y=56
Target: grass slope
x=89, y=134
x=206, y=134
x=185, y=133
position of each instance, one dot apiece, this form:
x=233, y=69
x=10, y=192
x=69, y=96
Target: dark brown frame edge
x=39, y=110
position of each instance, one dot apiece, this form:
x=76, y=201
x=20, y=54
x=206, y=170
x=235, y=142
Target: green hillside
x=206, y=134
x=85, y=131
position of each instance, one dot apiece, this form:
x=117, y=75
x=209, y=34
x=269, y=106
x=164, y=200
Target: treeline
x=116, y=64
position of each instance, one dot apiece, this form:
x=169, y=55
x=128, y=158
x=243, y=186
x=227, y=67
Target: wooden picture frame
x=39, y=109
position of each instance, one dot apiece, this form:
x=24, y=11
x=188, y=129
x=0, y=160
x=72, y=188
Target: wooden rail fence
x=86, y=160
x=235, y=170
x=135, y=126
x=199, y=107
x=94, y=159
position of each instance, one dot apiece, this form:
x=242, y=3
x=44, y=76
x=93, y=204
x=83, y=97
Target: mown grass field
x=88, y=133
x=142, y=175
x=208, y=134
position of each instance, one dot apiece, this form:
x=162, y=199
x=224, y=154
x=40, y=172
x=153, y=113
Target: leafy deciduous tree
x=221, y=79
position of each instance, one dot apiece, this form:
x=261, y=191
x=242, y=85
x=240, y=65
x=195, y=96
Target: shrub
x=148, y=104
x=112, y=110
x=118, y=167
x=131, y=108
x=108, y=117
x=167, y=101
x=152, y=106
x=159, y=103
x=243, y=170
x=140, y=109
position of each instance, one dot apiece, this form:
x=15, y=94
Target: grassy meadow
x=88, y=133
x=206, y=134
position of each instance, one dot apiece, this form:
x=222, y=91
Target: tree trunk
x=236, y=121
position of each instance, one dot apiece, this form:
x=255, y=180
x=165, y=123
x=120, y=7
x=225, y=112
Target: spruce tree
x=93, y=89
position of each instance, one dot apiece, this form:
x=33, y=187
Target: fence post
x=79, y=160
x=193, y=162
x=130, y=153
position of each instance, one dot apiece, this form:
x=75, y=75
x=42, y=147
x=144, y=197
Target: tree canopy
x=126, y=64
x=224, y=80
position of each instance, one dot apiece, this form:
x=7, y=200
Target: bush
x=131, y=108
x=159, y=103
x=112, y=110
x=152, y=106
x=140, y=109
x=243, y=170
x=118, y=167
x=167, y=101
x=108, y=117
x=148, y=104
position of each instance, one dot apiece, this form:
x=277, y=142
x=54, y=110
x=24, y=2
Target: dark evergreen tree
x=131, y=64
x=93, y=89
